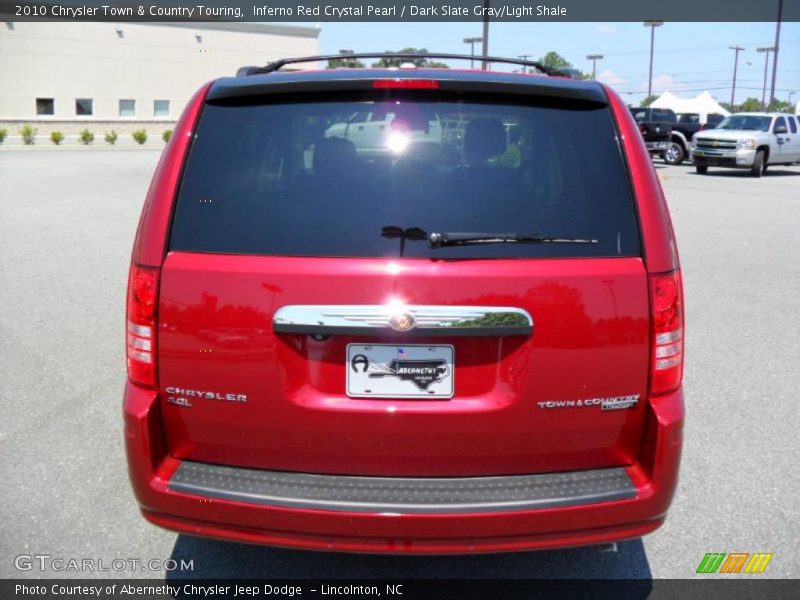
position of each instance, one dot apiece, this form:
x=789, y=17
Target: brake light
x=140, y=347
x=666, y=358
x=407, y=84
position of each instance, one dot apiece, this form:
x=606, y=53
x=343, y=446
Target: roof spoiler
x=278, y=64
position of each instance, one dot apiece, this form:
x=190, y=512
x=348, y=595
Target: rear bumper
x=656, y=147
x=186, y=497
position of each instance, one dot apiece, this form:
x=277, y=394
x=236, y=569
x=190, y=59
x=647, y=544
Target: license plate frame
x=400, y=371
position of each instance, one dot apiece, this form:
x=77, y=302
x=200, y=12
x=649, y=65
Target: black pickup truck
x=688, y=124
x=668, y=135
x=656, y=127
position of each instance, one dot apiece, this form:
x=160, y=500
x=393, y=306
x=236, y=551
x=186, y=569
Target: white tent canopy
x=703, y=103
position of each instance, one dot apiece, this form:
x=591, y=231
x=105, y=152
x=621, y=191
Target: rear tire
x=758, y=167
x=701, y=169
x=674, y=154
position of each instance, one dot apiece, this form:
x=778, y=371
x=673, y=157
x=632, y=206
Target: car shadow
x=771, y=172
x=214, y=559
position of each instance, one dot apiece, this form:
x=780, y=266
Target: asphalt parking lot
x=67, y=219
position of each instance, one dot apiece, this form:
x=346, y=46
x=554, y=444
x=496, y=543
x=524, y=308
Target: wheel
x=674, y=154
x=758, y=167
x=701, y=169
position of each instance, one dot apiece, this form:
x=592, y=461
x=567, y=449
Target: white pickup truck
x=372, y=131
x=751, y=141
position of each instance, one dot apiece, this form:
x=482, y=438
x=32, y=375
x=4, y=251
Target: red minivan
x=405, y=310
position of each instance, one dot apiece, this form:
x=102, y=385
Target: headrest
x=334, y=156
x=484, y=138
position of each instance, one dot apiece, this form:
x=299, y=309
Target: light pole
x=767, y=50
x=472, y=41
x=485, y=64
x=652, y=25
x=524, y=57
x=594, y=58
x=775, y=49
x=736, y=50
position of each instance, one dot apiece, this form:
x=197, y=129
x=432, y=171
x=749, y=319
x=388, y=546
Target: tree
x=750, y=105
x=780, y=106
x=728, y=106
x=344, y=62
x=555, y=61
x=648, y=101
x=421, y=62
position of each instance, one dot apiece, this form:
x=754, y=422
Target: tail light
x=666, y=358
x=141, y=325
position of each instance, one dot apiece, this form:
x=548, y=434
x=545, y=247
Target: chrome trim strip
x=670, y=350
x=669, y=337
x=376, y=319
x=144, y=357
x=139, y=343
x=667, y=363
x=140, y=330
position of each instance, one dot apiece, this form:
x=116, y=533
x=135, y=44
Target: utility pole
x=472, y=41
x=736, y=50
x=524, y=57
x=594, y=58
x=766, y=49
x=652, y=25
x=485, y=33
x=775, y=51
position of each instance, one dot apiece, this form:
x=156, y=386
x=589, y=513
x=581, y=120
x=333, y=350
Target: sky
x=689, y=57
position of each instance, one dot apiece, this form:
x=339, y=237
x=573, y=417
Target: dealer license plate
x=400, y=371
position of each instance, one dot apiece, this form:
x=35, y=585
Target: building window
x=45, y=106
x=127, y=108
x=83, y=107
x=160, y=108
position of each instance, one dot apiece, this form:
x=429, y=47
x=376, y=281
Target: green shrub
x=86, y=137
x=28, y=134
x=111, y=137
x=57, y=137
x=140, y=135
x=3, y=134
x=166, y=135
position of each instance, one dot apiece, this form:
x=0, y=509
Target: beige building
x=124, y=76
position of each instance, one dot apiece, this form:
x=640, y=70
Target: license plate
x=399, y=371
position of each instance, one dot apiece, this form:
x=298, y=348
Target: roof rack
x=278, y=64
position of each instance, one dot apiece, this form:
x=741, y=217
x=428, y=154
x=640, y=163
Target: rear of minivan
x=465, y=338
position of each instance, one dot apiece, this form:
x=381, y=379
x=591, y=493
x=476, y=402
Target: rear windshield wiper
x=440, y=240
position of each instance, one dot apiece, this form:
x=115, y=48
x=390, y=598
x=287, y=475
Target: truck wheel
x=674, y=154
x=758, y=165
x=701, y=169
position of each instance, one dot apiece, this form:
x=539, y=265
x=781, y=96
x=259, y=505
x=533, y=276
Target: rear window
x=642, y=115
x=301, y=178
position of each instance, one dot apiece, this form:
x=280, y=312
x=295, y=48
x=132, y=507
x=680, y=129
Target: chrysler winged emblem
x=403, y=321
